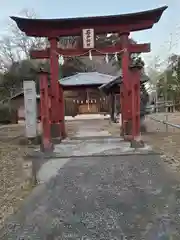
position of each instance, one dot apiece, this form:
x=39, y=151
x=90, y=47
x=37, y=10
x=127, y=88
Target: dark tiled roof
x=87, y=79
x=116, y=82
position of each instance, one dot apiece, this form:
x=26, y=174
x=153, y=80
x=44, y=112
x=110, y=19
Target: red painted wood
x=54, y=72
x=133, y=48
x=121, y=28
x=126, y=83
x=45, y=116
x=134, y=104
x=57, y=110
x=135, y=21
x=125, y=60
x=122, y=108
x=61, y=112
x=44, y=31
x=137, y=100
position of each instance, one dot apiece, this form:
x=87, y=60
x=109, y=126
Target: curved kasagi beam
x=72, y=26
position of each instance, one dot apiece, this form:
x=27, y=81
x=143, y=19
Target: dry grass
x=162, y=138
x=165, y=142
x=15, y=173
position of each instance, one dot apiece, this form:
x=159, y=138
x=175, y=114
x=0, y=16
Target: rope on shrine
x=90, y=54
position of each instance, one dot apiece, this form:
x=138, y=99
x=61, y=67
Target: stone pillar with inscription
x=30, y=109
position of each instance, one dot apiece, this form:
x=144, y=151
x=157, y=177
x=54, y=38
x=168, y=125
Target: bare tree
x=15, y=45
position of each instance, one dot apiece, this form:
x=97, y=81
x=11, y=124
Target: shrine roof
x=107, y=87
x=37, y=27
x=87, y=79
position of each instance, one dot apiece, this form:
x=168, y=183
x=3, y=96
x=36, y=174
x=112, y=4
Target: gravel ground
x=124, y=197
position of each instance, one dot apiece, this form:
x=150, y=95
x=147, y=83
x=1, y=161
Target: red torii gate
x=122, y=24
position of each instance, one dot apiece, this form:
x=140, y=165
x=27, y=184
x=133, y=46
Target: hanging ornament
x=61, y=60
x=107, y=58
x=116, y=57
x=90, y=55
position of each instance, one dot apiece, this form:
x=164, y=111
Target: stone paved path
x=102, y=197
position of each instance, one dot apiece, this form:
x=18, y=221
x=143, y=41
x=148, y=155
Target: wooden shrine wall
x=81, y=102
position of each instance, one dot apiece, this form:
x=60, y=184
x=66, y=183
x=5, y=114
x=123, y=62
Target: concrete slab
x=87, y=147
x=91, y=133
x=63, y=152
x=50, y=169
x=90, y=140
x=84, y=148
x=87, y=117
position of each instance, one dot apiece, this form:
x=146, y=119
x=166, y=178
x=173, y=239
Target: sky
x=168, y=27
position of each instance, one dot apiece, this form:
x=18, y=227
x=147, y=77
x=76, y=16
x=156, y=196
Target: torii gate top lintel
x=101, y=24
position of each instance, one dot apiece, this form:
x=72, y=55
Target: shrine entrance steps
x=91, y=138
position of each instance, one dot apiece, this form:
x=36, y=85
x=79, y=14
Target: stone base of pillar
x=56, y=140
x=58, y=132
x=127, y=131
x=137, y=143
x=47, y=147
x=63, y=130
x=55, y=130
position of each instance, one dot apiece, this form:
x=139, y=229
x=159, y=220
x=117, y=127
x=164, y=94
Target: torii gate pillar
x=46, y=143
x=125, y=101
x=57, y=103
